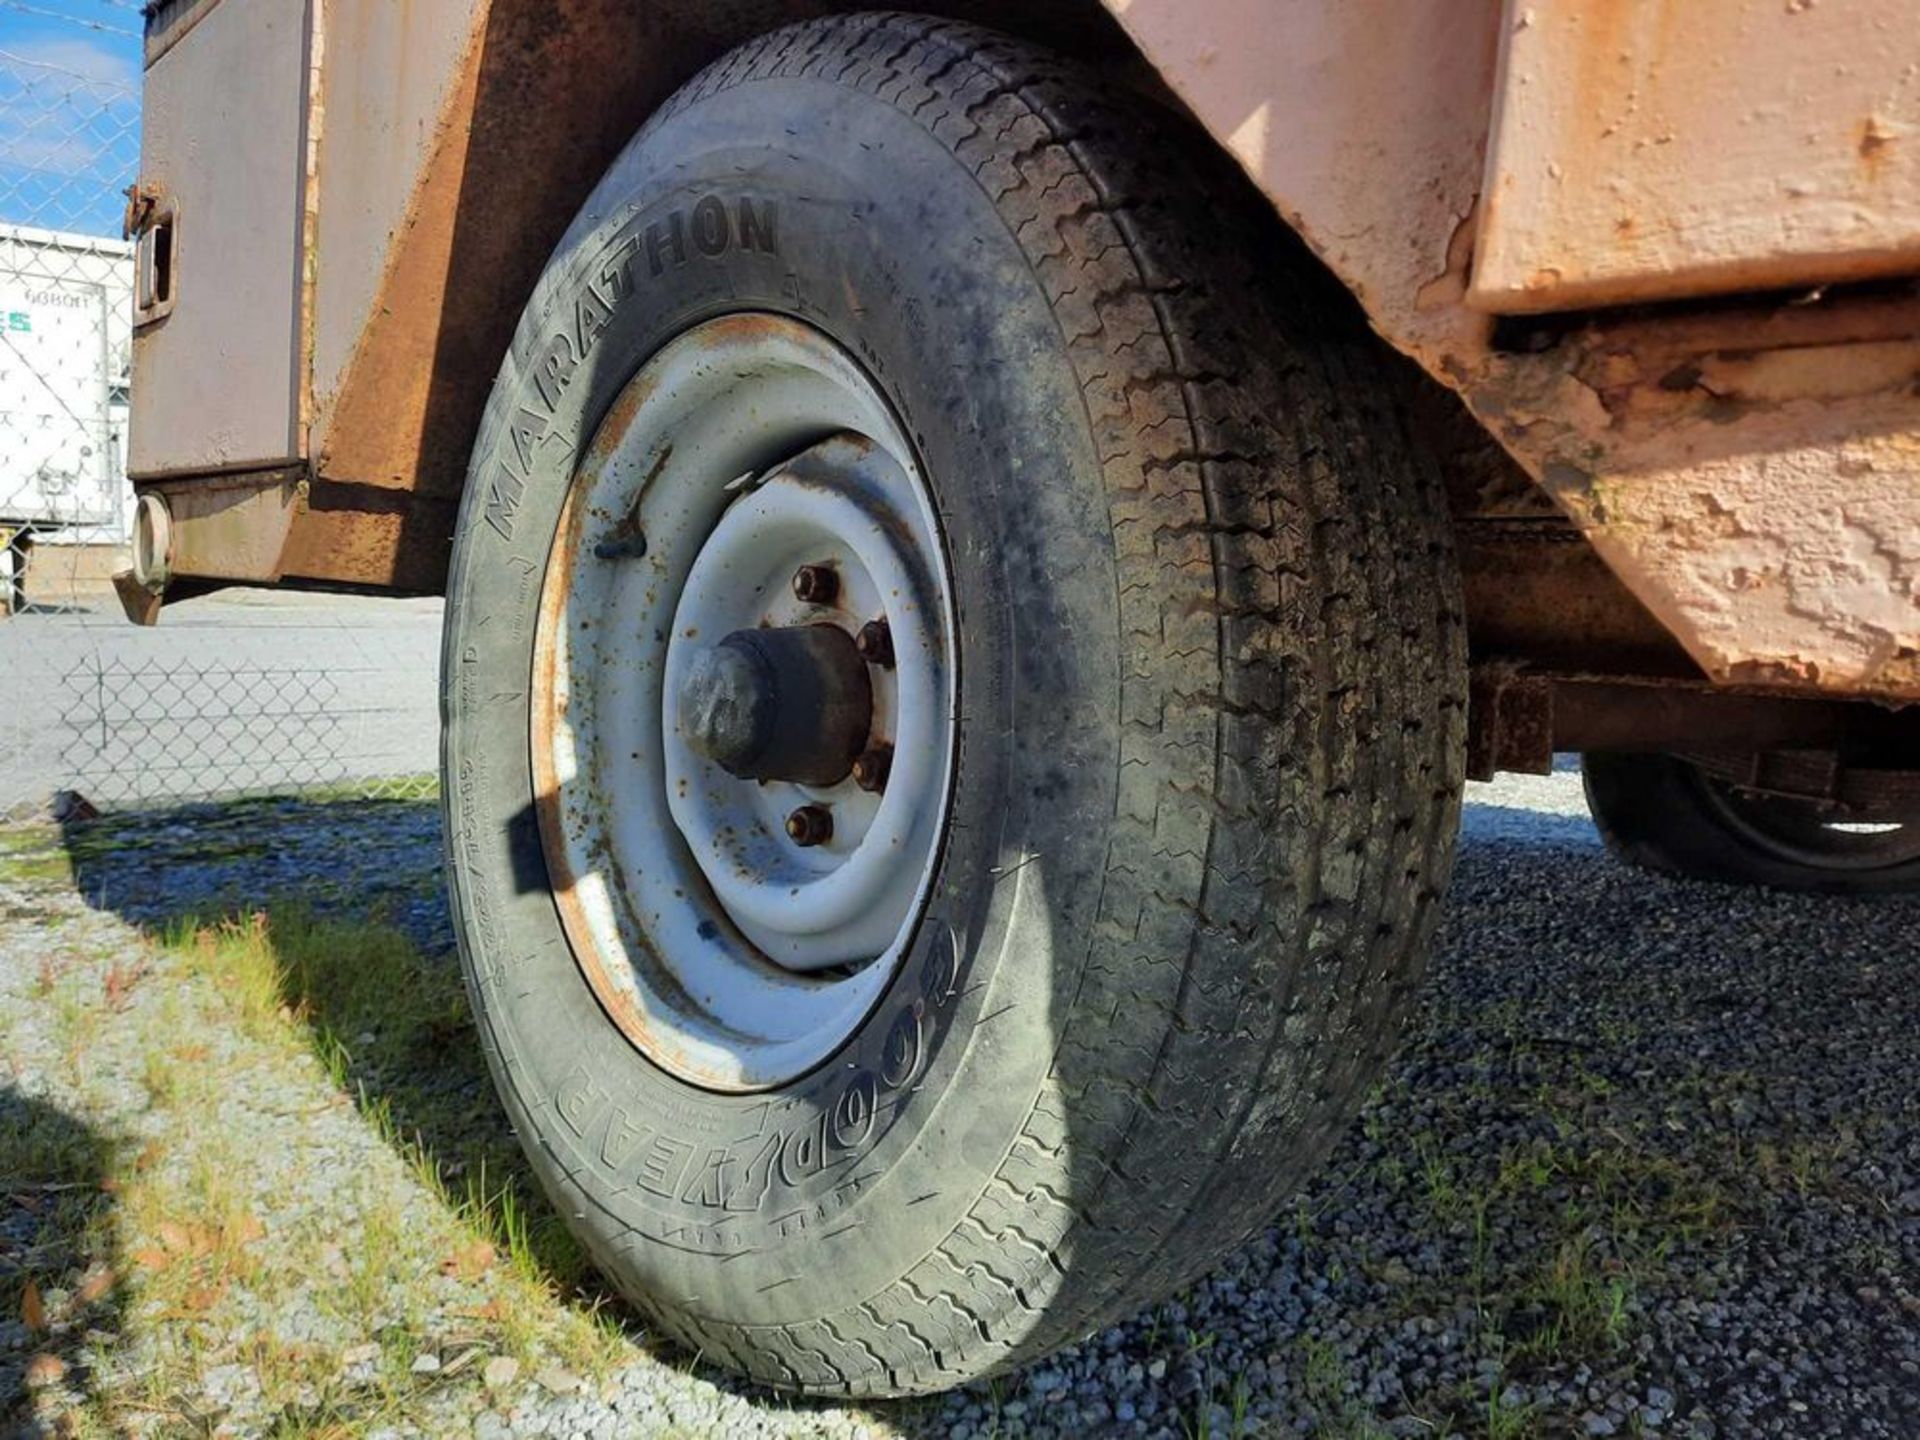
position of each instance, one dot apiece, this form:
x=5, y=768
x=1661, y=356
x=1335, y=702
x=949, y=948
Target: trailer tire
x=1206, y=741
x=1665, y=814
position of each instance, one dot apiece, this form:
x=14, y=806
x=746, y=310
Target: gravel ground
x=1648, y=1164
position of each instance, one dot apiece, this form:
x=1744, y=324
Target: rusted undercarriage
x=1703, y=481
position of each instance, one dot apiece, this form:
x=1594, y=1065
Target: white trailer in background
x=65, y=336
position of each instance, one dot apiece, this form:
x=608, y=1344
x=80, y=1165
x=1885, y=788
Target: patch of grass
x=196, y=1233
x=1328, y=1386
x=401, y=789
x=160, y=1076
x=34, y=868
x=392, y=1030
x=77, y=1018
x=18, y=837
x=1437, y=1178
x=1803, y=1166
x=1577, y=1301
x=1218, y=1392
x=451, y=1250
x=27, y=839
x=237, y=959
x=1596, y=1220
x=373, y=1259
x=1508, y=1422
x=1564, y=1235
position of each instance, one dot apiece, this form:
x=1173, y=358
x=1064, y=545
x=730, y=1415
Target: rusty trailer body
x=1663, y=252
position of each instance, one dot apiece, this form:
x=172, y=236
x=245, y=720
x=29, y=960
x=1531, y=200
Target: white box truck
x=65, y=333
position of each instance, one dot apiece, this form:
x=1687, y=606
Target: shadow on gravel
x=338, y=858
x=1640, y=1136
x=59, y=1264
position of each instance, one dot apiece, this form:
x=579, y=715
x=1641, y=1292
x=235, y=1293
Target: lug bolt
x=875, y=643
x=810, y=825
x=871, y=768
x=816, y=584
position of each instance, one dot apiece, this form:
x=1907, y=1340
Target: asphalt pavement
x=237, y=692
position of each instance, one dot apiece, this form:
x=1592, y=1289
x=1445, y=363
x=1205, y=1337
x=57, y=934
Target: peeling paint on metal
x=1365, y=122
x=1665, y=149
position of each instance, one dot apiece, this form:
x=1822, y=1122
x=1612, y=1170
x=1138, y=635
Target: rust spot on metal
x=1730, y=465
x=875, y=644
x=548, y=801
x=611, y=434
x=1635, y=163
x=816, y=584
x=872, y=767
x=309, y=278
x=1449, y=287
x=487, y=209
x=1537, y=592
x=1876, y=143
x=618, y=1000
x=808, y=826
x=1770, y=357
x=1509, y=722
x=1518, y=719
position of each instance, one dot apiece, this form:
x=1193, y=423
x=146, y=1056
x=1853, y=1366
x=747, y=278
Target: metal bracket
x=153, y=223
x=1509, y=722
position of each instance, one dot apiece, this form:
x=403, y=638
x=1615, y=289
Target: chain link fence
x=240, y=693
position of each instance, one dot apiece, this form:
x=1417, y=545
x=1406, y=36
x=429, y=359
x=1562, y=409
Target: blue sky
x=69, y=112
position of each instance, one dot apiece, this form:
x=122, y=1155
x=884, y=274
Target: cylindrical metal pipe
x=787, y=703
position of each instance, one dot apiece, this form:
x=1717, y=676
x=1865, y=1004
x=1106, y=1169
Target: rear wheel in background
x=1679, y=817
x=955, y=712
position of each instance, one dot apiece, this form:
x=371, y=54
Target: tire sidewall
x=852, y=1173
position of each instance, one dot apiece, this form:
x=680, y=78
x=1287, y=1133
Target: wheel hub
x=774, y=719
x=744, y=722
x=791, y=703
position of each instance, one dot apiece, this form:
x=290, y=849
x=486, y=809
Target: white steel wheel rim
x=731, y=956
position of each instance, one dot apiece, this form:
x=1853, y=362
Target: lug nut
x=871, y=768
x=810, y=825
x=816, y=584
x=875, y=643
